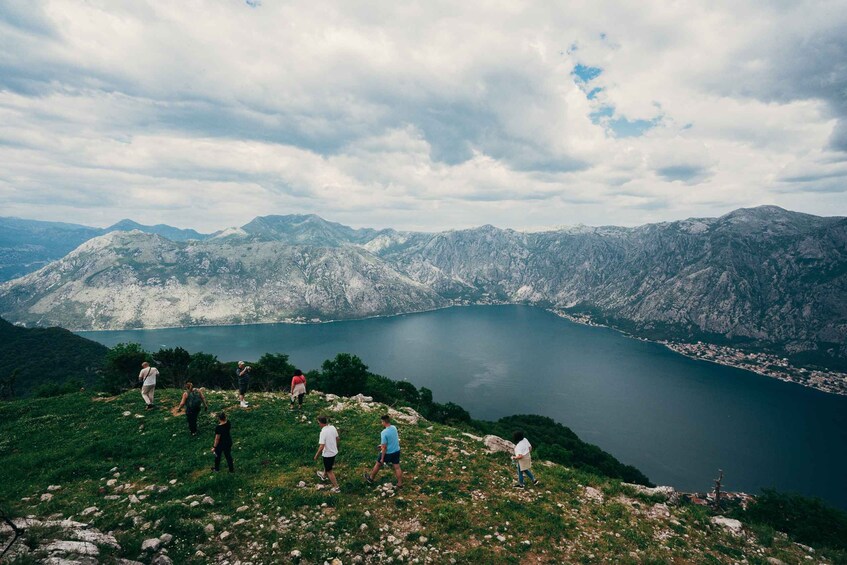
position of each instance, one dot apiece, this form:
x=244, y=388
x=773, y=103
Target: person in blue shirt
x=389, y=452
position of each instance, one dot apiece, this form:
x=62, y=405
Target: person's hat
x=241, y=362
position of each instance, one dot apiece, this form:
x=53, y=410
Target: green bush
x=806, y=520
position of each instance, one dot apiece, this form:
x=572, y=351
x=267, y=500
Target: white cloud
x=419, y=116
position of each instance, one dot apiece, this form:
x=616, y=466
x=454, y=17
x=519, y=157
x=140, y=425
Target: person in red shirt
x=298, y=388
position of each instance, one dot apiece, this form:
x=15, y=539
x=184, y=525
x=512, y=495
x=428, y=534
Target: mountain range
x=763, y=276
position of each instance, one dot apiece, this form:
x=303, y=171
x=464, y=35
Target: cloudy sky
x=427, y=115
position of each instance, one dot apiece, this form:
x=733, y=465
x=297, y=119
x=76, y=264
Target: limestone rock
x=72, y=547
x=495, y=444
x=152, y=544
x=730, y=524
x=594, y=495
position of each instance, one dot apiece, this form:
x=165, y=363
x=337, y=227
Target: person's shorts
x=243, y=386
x=390, y=458
x=329, y=462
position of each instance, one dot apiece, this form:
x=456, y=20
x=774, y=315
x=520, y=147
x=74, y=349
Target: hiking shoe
x=518, y=485
x=368, y=478
x=321, y=475
x=244, y=404
x=536, y=482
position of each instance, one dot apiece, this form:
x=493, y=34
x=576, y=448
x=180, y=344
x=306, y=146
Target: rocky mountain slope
x=132, y=279
x=764, y=276
x=139, y=490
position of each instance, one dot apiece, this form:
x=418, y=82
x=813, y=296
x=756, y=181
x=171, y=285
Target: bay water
x=677, y=419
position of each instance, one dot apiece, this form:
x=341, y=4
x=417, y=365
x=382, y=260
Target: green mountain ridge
x=136, y=486
x=34, y=357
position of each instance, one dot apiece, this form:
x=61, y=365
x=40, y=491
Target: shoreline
x=764, y=364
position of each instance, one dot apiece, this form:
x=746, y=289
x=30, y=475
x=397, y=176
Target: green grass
x=459, y=503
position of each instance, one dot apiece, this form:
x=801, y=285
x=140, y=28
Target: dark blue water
x=676, y=419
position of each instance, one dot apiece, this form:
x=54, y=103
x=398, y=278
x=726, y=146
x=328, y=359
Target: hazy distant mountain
x=169, y=232
x=28, y=245
x=764, y=275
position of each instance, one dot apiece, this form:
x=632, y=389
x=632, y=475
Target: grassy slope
x=456, y=494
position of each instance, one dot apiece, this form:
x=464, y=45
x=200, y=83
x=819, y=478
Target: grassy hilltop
x=139, y=475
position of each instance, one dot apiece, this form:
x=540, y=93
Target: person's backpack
x=194, y=401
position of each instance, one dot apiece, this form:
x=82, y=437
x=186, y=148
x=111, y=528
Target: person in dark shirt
x=223, y=443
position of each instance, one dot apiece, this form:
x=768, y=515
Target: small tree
x=205, y=369
x=345, y=375
x=272, y=372
x=173, y=364
x=123, y=362
x=7, y=385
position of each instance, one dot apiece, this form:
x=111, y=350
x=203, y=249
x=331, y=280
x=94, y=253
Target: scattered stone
x=194, y=504
x=331, y=397
x=172, y=482
x=295, y=554
x=593, y=495
x=166, y=539
x=224, y=535
x=151, y=545
x=368, y=549
x=495, y=444
x=730, y=524
x=244, y=508
x=775, y=561
x=162, y=560
x=111, y=482
x=363, y=527
x=302, y=484
x=127, y=413
x=53, y=488
x=96, y=537
x=659, y=510
x=668, y=493
x=362, y=399
x=423, y=539
x=209, y=529
x=74, y=547
x=46, y=497
x=133, y=499
x=208, y=500
x=112, y=497
x=240, y=522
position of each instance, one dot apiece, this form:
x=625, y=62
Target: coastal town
x=766, y=364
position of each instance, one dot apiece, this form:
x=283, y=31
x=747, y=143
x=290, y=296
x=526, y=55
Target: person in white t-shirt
x=147, y=376
x=328, y=447
x=523, y=459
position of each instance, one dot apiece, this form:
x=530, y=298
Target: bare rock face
x=495, y=444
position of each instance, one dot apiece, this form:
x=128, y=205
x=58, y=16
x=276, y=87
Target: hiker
x=298, y=388
x=328, y=447
x=192, y=400
x=389, y=452
x=243, y=374
x=523, y=459
x=147, y=377
x=223, y=444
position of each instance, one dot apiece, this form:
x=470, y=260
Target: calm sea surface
x=676, y=419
